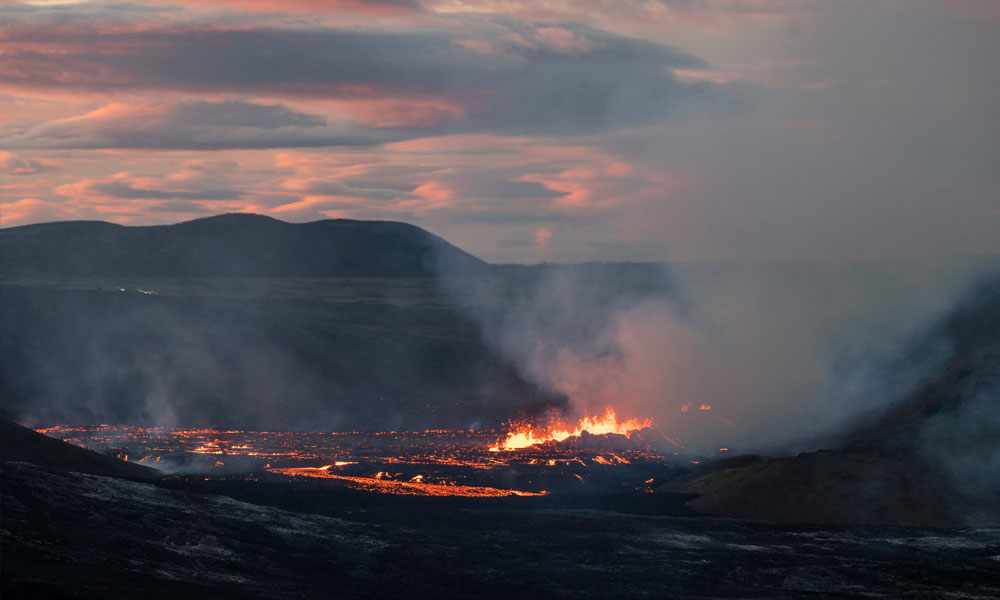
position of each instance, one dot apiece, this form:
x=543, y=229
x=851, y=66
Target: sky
x=557, y=131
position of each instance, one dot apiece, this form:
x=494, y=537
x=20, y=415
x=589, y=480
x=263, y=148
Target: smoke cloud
x=744, y=357
x=272, y=354
x=964, y=441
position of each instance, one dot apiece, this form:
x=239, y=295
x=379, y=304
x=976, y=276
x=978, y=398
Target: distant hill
x=19, y=443
x=231, y=245
x=245, y=321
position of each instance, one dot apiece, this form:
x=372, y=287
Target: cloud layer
x=690, y=130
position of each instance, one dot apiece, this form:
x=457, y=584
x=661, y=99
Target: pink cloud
x=627, y=15
x=577, y=185
x=383, y=108
x=562, y=39
x=431, y=195
x=333, y=7
x=316, y=165
x=542, y=237
x=33, y=210
x=559, y=39
x=125, y=186
x=480, y=46
x=194, y=124
x=13, y=164
x=306, y=206
x=457, y=143
x=618, y=169
x=198, y=169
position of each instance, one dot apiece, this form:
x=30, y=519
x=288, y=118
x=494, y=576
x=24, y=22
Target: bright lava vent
x=608, y=423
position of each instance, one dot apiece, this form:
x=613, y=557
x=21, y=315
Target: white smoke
x=781, y=354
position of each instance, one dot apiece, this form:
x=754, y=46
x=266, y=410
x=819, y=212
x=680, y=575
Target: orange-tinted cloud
x=14, y=164
x=369, y=84
x=198, y=124
x=329, y=7
x=542, y=237
x=32, y=210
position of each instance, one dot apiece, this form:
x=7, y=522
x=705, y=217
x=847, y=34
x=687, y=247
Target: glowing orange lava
x=525, y=436
x=382, y=483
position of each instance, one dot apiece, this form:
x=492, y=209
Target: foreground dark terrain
x=69, y=535
x=71, y=531
x=270, y=336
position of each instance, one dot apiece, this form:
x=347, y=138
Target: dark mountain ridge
x=230, y=245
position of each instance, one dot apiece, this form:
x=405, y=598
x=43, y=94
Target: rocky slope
x=68, y=535
x=21, y=444
x=932, y=459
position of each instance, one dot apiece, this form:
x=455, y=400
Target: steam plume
x=741, y=357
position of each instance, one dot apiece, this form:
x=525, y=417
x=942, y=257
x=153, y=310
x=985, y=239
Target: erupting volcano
x=492, y=299
x=431, y=463
x=527, y=435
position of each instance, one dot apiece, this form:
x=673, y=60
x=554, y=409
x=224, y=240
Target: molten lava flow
x=414, y=487
x=606, y=423
x=435, y=463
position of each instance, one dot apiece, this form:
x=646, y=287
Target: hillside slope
x=934, y=459
x=21, y=444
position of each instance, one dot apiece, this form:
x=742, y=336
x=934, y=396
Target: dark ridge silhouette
x=230, y=245
x=19, y=443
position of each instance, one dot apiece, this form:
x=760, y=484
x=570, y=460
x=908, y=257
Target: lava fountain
x=527, y=435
